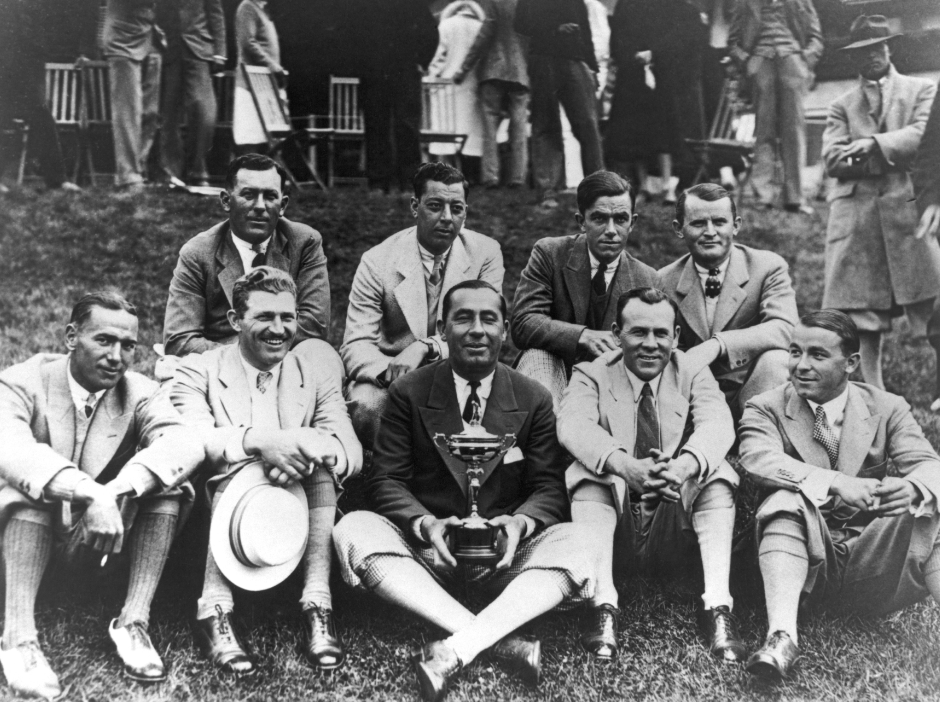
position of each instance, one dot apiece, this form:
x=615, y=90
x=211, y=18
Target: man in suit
x=394, y=303
x=874, y=264
x=255, y=234
x=195, y=31
x=133, y=45
x=256, y=399
x=567, y=296
x=418, y=492
x=777, y=44
x=850, y=519
x=737, y=307
x=649, y=433
x=72, y=478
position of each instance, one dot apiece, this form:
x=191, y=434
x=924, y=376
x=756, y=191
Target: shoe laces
x=33, y=657
x=224, y=626
x=724, y=622
x=320, y=623
x=137, y=632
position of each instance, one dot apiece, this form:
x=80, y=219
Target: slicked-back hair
x=441, y=173
x=473, y=284
x=709, y=192
x=263, y=278
x=108, y=299
x=651, y=296
x=602, y=184
x=837, y=322
x=253, y=162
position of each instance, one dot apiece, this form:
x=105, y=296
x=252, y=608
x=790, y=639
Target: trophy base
x=475, y=544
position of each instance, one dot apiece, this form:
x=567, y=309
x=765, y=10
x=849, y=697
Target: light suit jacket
x=756, y=308
x=130, y=29
x=198, y=25
x=801, y=18
x=210, y=391
x=388, y=308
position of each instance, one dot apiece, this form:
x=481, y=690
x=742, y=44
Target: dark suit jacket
x=208, y=266
x=801, y=19
x=412, y=476
x=551, y=304
x=926, y=173
x=198, y=25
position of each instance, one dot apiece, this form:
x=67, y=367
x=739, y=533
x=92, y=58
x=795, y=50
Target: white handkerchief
x=513, y=455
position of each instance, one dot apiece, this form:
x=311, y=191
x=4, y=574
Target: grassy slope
x=53, y=247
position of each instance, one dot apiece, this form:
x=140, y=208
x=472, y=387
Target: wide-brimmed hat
x=259, y=530
x=867, y=30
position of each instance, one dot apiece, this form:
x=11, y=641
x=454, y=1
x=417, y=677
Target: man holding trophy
x=468, y=487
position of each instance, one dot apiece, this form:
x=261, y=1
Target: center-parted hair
x=602, y=184
x=472, y=285
x=441, y=173
x=837, y=322
x=264, y=279
x=253, y=162
x=709, y=192
x=651, y=296
x=108, y=299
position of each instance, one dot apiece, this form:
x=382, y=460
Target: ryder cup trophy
x=474, y=541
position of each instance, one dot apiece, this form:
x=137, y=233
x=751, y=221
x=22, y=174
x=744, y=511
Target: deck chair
x=348, y=127
x=64, y=98
x=439, y=114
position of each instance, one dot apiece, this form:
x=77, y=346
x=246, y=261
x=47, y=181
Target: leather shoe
x=28, y=672
x=599, y=637
x=324, y=650
x=718, y=626
x=774, y=659
x=436, y=665
x=141, y=660
x=520, y=656
x=220, y=644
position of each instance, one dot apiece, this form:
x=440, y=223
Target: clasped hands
x=888, y=497
x=435, y=532
x=657, y=477
x=290, y=455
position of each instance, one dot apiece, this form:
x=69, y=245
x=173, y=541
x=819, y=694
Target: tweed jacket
x=196, y=25
x=130, y=29
x=388, y=307
x=756, y=308
x=208, y=266
x=131, y=424
x=498, y=52
x=551, y=306
x=879, y=436
x=926, y=174
x=597, y=417
x=872, y=259
x=211, y=393
x=413, y=476
x=801, y=19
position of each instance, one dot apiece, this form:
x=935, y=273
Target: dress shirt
x=80, y=394
x=245, y=252
x=427, y=259
x=711, y=303
x=608, y=274
x=874, y=92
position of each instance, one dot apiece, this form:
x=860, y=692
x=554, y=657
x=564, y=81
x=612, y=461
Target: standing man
x=255, y=399
x=836, y=531
x=777, y=44
x=133, y=45
x=874, y=263
x=394, y=303
x=562, y=68
x=499, y=56
x=737, y=307
x=649, y=433
x=567, y=296
x=90, y=466
x=195, y=31
x=418, y=492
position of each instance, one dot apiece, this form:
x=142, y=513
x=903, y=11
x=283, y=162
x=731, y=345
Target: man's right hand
x=929, y=222
x=408, y=360
x=859, y=493
x=288, y=453
x=104, y=528
x=569, y=28
x=635, y=471
x=434, y=531
x=595, y=343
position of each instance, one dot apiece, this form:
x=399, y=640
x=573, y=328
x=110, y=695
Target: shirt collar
x=595, y=264
x=252, y=373
x=428, y=256
x=78, y=393
x=883, y=81
x=722, y=268
x=638, y=384
x=486, y=385
x=834, y=409
x=245, y=246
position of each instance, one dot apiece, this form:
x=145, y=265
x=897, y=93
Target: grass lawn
x=53, y=247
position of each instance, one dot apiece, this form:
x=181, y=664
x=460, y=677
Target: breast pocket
x=876, y=471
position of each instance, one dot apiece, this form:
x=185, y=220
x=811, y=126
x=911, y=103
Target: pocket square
x=513, y=455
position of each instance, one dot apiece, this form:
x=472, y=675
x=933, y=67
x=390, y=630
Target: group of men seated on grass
x=631, y=390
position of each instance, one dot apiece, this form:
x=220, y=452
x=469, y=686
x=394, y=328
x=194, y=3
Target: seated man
x=737, y=307
x=255, y=398
x=564, y=305
x=835, y=530
x=394, y=301
x=419, y=494
x=255, y=234
x=649, y=436
x=71, y=476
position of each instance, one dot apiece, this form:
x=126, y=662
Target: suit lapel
x=799, y=428
x=276, y=255
x=108, y=427
x=235, y=395
x=61, y=409
x=442, y=416
x=411, y=292
x=673, y=410
x=887, y=101
x=293, y=397
x=732, y=294
x=502, y=415
x=859, y=427
x=230, y=263
x=692, y=300
x=624, y=279
x=577, y=278
x=458, y=263
x=623, y=416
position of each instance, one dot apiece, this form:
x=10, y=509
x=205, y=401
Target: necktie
x=598, y=282
x=258, y=260
x=713, y=283
x=472, y=399
x=90, y=405
x=264, y=378
x=647, y=424
x=823, y=434
x=435, y=278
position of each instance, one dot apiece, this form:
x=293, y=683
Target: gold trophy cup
x=474, y=541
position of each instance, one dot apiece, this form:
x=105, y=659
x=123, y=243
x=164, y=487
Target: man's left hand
x=859, y=147
x=669, y=475
x=895, y=496
x=703, y=355
x=929, y=222
x=514, y=527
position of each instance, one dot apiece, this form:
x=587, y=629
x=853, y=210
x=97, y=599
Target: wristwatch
x=432, y=350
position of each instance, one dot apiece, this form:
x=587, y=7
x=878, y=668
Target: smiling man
x=737, y=307
x=567, y=295
x=850, y=519
x=649, y=433
x=418, y=491
x=394, y=303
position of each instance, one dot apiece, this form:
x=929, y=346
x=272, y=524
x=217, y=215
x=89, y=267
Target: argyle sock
x=784, y=564
x=602, y=519
x=321, y=498
x=27, y=546
x=713, y=522
x=150, y=540
x=932, y=573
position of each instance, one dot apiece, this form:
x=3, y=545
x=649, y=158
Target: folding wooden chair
x=64, y=98
x=16, y=130
x=348, y=126
x=94, y=110
x=439, y=114
x=224, y=85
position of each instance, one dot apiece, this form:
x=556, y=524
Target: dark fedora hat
x=867, y=30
